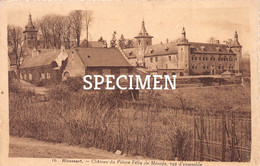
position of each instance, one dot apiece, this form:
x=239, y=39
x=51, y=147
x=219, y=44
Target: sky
x=164, y=19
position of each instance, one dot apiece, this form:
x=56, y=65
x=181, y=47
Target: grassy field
x=99, y=120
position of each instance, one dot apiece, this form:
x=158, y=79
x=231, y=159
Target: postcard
x=155, y=83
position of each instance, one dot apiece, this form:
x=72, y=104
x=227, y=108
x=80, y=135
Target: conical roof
x=143, y=32
x=236, y=42
x=30, y=27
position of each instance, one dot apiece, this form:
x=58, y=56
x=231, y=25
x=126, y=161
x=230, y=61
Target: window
x=181, y=73
x=206, y=58
x=200, y=58
x=48, y=75
x=203, y=67
x=164, y=73
x=156, y=59
x=222, y=67
x=218, y=58
x=30, y=76
x=191, y=58
x=192, y=67
x=173, y=73
x=195, y=58
x=42, y=76
x=139, y=42
x=203, y=58
x=170, y=58
x=151, y=60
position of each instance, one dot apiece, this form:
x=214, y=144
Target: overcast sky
x=163, y=19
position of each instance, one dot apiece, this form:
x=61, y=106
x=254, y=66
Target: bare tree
x=176, y=41
x=44, y=30
x=16, y=42
x=212, y=39
x=87, y=20
x=66, y=32
x=228, y=42
x=76, y=18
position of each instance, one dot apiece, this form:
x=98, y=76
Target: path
x=32, y=148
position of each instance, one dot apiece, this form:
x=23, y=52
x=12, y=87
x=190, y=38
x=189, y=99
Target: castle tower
x=143, y=40
x=30, y=35
x=183, y=53
x=237, y=49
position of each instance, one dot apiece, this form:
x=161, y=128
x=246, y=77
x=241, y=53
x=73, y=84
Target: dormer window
x=166, y=48
x=218, y=49
x=152, y=50
x=203, y=48
x=130, y=53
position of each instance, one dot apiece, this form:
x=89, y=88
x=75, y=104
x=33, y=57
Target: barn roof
x=210, y=48
x=42, y=59
x=102, y=57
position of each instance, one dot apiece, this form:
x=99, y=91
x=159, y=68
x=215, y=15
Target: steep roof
x=161, y=49
x=102, y=57
x=143, y=32
x=210, y=48
x=42, y=59
x=30, y=27
x=130, y=52
x=91, y=44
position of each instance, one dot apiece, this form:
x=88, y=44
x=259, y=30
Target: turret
x=183, y=53
x=237, y=49
x=30, y=35
x=143, y=40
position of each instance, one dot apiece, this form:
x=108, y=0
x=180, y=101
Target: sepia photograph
x=137, y=83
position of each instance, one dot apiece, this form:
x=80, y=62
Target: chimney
x=62, y=48
x=216, y=41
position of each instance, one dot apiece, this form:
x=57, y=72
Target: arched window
x=181, y=73
x=173, y=73
x=66, y=74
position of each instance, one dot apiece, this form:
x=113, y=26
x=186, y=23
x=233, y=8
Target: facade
x=44, y=66
x=184, y=57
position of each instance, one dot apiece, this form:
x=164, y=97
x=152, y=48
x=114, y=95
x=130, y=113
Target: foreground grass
x=99, y=120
